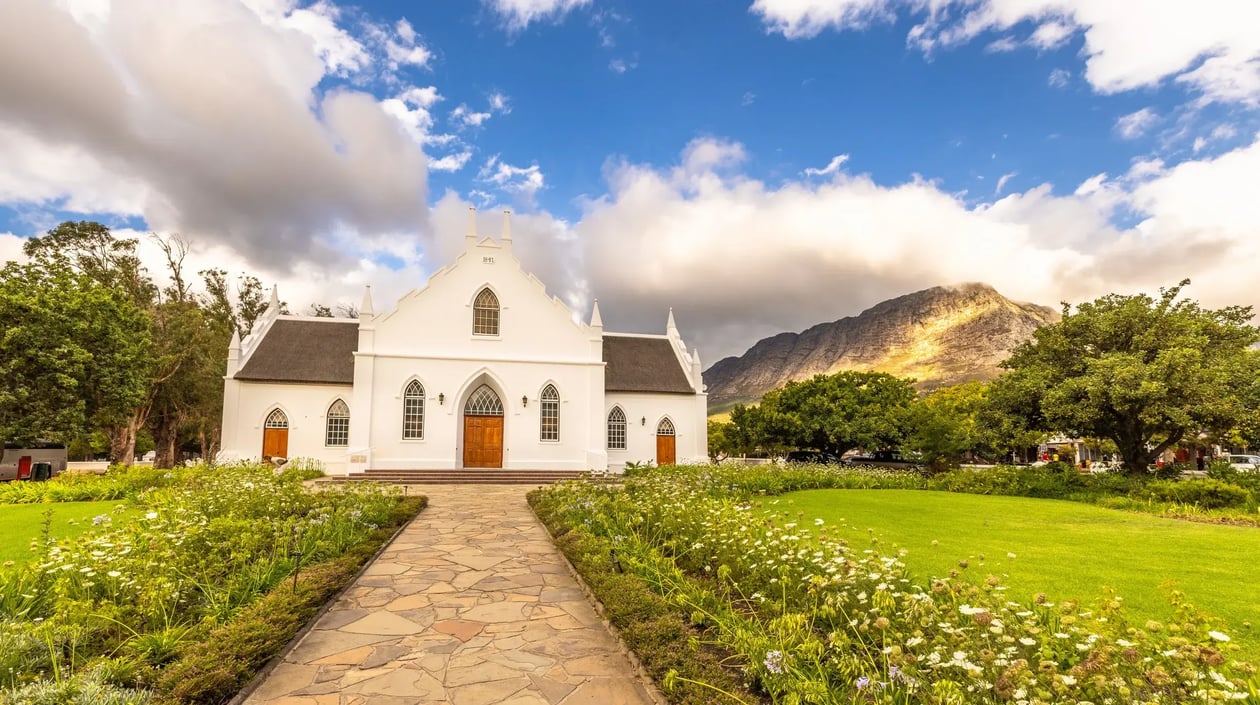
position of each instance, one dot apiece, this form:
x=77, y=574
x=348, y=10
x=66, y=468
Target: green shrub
x=1206, y=493
x=654, y=627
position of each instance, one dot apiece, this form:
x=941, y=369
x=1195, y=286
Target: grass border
x=655, y=634
x=318, y=586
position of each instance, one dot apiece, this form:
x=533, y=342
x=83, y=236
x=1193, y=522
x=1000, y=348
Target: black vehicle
x=812, y=457
x=883, y=458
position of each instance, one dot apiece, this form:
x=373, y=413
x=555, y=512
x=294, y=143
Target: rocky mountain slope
x=940, y=336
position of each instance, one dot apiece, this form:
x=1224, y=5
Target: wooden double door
x=665, y=454
x=483, y=441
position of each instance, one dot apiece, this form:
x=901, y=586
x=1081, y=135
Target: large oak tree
x=1145, y=373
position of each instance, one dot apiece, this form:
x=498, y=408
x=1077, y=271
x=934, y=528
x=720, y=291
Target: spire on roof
x=275, y=298
x=236, y=341
x=507, y=225
x=596, y=320
x=695, y=356
x=670, y=328
x=365, y=308
x=472, y=223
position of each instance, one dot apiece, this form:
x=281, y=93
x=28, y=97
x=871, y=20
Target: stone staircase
x=468, y=476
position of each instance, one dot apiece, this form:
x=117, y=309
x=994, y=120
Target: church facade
x=479, y=368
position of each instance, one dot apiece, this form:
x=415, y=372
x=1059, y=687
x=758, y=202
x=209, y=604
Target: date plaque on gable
x=487, y=260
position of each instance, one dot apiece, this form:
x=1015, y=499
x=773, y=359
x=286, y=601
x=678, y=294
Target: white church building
x=479, y=368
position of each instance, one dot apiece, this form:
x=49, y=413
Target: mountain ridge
x=942, y=335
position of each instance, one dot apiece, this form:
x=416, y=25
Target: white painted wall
x=306, y=405
x=428, y=336
x=643, y=414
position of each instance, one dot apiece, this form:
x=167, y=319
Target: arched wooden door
x=483, y=429
x=276, y=435
x=665, y=443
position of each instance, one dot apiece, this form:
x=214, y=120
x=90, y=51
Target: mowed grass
x=1066, y=549
x=19, y=523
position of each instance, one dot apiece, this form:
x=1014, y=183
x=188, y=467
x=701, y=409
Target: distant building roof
x=637, y=364
x=313, y=352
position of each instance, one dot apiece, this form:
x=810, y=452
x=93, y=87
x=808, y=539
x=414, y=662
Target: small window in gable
x=549, y=414
x=413, y=411
x=616, y=429
x=486, y=313
x=337, y=425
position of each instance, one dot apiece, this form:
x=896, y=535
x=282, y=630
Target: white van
x=40, y=462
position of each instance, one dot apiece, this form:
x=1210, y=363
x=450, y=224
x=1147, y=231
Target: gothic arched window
x=616, y=429
x=549, y=414
x=413, y=411
x=337, y=425
x=486, y=313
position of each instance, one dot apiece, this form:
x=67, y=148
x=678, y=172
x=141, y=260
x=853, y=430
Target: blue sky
x=826, y=154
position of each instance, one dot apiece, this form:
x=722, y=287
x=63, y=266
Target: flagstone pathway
x=470, y=605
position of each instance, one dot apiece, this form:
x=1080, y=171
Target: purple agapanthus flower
x=863, y=683
x=774, y=661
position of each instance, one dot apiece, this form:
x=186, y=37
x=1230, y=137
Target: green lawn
x=19, y=523
x=1065, y=549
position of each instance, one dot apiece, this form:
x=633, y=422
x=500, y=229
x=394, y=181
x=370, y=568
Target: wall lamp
x=524, y=400
x=642, y=420
x=441, y=398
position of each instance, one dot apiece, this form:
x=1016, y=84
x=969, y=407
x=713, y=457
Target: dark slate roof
x=314, y=352
x=643, y=365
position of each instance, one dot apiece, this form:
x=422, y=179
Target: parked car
x=1245, y=463
x=41, y=461
x=812, y=457
x=884, y=458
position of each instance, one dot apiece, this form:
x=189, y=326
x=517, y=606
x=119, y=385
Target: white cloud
x=1003, y=180
x=524, y=182
x=499, y=103
x=832, y=167
x=810, y=252
x=425, y=97
x=254, y=155
x=1051, y=34
x=518, y=14
x=622, y=65
x=1210, y=46
x=1059, y=78
x=748, y=98
x=466, y=117
x=1002, y=45
x=1136, y=124
x=705, y=154
x=451, y=162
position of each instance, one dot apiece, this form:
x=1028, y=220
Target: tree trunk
x=1134, y=456
x=166, y=436
x=122, y=441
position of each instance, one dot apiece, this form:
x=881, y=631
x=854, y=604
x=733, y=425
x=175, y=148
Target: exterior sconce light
x=441, y=398
x=642, y=420
x=524, y=400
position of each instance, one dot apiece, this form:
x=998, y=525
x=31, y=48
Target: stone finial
x=507, y=225
x=670, y=327
x=472, y=223
x=235, y=345
x=365, y=308
x=596, y=320
x=275, y=298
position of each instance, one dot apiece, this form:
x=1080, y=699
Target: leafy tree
x=75, y=353
x=321, y=311
x=945, y=426
x=835, y=413
x=1142, y=372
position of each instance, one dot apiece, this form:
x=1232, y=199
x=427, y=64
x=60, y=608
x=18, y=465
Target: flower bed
x=183, y=587
x=812, y=619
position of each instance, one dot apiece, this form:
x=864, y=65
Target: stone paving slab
x=470, y=605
